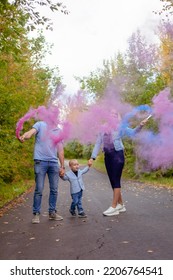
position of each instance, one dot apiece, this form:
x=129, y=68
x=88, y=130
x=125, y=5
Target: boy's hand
x=61, y=172
x=90, y=162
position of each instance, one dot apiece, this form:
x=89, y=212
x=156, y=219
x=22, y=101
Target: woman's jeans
x=77, y=201
x=41, y=168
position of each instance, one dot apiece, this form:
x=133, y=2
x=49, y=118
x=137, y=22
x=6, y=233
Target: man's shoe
x=111, y=211
x=82, y=215
x=54, y=216
x=73, y=213
x=36, y=218
x=121, y=208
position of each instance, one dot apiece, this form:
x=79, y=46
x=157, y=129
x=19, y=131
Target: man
x=46, y=155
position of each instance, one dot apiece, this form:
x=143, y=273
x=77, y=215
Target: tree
x=141, y=62
x=97, y=80
x=24, y=83
x=30, y=8
x=167, y=7
x=133, y=72
x=166, y=52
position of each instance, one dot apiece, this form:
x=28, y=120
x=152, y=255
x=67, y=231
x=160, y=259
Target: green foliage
x=155, y=178
x=33, y=11
x=87, y=151
x=134, y=73
x=24, y=83
x=73, y=150
x=9, y=192
x=99, y=163
x=138, y=77
x=12, y=31
x=98, y=80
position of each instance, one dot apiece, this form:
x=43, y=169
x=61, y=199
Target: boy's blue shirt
x=76, y=182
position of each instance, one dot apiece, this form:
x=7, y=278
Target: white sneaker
x=121, y=208
x=36, y=218
x=111, y=211
x=55, y=216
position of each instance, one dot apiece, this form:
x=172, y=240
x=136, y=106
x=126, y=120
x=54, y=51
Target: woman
x=113, y=149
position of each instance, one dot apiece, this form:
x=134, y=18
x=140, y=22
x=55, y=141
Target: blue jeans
x=77, y=202
x=41, y=168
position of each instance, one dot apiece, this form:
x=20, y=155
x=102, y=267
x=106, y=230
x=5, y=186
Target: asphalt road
x=144, y=232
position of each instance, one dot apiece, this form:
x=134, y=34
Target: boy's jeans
x=41, y=168
x=77, y=201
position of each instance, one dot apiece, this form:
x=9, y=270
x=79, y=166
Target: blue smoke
x=125, y=129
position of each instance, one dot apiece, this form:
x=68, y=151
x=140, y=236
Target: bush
x=73, y=150
x=87, y=150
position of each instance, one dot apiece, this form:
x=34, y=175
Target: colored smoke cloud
x=52, y=117
x=156, y=147
x=102, y=116
x=82, y=120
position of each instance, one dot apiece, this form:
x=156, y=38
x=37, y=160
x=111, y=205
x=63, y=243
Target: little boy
x=74, y=176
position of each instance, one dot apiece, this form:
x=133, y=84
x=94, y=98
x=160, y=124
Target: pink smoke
x=52, y=117
x=19, y=126
x=156, y=148
x=102, y=116
x=82, y=120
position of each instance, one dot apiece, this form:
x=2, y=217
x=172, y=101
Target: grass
x=10, y=192
x=151, y=178
x=165, y=182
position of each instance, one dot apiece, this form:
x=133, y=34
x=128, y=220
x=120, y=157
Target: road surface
x=143, y=232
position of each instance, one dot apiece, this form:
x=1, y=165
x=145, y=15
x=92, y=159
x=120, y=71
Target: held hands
x=61, y=172
x=90, y=162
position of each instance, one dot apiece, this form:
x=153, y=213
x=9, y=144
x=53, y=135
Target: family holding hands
x=49, y=159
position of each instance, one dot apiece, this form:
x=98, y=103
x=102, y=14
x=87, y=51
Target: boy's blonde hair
x=71, y=162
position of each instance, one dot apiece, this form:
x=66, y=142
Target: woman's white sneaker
x=121, y=208
x=108, y=210
x=111, y=211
